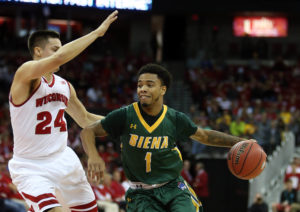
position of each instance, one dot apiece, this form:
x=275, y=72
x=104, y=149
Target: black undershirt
x=150, y=120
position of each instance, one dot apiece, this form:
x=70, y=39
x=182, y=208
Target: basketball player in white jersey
x=43, y=166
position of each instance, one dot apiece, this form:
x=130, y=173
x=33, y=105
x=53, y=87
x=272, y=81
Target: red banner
x=256, y=26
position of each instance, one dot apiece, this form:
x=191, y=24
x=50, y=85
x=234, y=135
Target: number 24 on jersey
x=46, y=118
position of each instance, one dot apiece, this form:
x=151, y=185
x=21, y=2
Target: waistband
x=140, y=185
x=46, y=158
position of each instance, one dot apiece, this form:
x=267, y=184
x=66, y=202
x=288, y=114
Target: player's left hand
x=101, y=30
x=96, y=169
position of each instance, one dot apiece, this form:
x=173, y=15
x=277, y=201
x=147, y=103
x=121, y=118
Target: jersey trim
x=52, y=83
x=194, y=198
x=69, y=88
x=179, y=153
x=19, y=105
x=144, y=123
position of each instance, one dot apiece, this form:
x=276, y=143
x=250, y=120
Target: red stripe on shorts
x=38, y=198
x=85, y=206
x=31, y=209
x=48, y=202
x=94, y=209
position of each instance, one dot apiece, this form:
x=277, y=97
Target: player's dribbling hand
x=101, y=30
x=253, y=140
x=96, y=169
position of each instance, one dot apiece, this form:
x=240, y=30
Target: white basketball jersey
x=39, y=126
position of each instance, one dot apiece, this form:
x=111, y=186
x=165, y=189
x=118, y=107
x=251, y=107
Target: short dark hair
x=162, y=73
x=39, y=38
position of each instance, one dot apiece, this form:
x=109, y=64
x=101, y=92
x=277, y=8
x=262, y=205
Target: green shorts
x=175, y=196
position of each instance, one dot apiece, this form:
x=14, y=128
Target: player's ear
x=163, y=90
x=37, y=51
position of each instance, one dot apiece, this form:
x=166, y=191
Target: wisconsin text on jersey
x=51, y=98
x=157, y=142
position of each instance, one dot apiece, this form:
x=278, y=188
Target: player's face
x=149, y=89
x=50, y=48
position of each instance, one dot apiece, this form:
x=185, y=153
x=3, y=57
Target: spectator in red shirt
x=12, y=200
x=111, y=152
x=110, y=156
x=200, y=184
x=103, y=154
x=117, y=190
x=293, y=173
x=101, y=192
x=185, y=172
x=103, y=197
x=6, y=145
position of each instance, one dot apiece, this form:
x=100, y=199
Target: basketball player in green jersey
x=148, y=131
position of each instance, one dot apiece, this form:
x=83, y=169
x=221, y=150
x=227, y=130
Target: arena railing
x=270, y=182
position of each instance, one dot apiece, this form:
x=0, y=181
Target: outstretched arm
x=96, y=165
x=36, y=68
x=28, y=75
x=215, y=138
x=78, y=112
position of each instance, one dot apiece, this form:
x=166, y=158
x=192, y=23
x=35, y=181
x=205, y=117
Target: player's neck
x=153, y=110
x=49, y=77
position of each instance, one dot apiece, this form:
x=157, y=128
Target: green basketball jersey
x=149, y=153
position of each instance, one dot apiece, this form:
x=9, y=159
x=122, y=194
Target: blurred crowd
x=247, y=101
x=289, y=198
x=252, y=101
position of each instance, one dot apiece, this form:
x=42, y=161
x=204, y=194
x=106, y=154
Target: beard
x=144, y=104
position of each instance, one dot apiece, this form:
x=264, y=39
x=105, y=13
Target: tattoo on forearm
x=216, y=138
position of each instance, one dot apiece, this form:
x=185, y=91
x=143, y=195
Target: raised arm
x=96, y=165
x=78, y=112
x=48, y=57
x=36, y=68
x=215, y=138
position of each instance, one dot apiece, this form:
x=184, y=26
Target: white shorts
x=40, y=181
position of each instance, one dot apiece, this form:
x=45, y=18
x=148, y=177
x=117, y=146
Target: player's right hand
x=101, y=30
x=96, y=169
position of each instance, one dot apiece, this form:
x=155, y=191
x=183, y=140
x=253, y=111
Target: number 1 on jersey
x=148, y=161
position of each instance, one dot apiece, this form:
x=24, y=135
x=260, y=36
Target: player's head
x=186, y=165
x=43, y=43
x=258, y=198
x=199, y=166
x=289, y=184
x=107, y=179
x=3, y=164
x=153, y=82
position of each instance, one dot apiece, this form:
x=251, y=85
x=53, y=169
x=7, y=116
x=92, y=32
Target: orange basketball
x=246, y=159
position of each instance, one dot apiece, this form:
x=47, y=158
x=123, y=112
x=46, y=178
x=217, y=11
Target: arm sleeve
x=185, y=127
x=114, y=122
